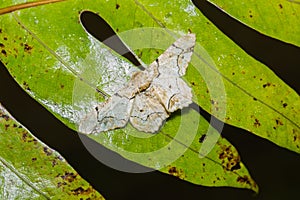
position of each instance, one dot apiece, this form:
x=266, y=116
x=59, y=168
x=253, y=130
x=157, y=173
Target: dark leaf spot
x=2, y=45
x=202, y=138
x=81, y=191
x=3, y=52
x=244, y=179
x=175, y=172
x=33, y=159
x=284, y=105
x=280, y=6
x=5, y=117
x=6, y=126
x=27, y=48
x=69, y=176
x=257, y=123
x=230, y=160
x=117, y=6
x=47, y=151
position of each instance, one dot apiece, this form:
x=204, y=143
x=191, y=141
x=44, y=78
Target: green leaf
x=31, y=170
x=278, y=18
x=257, y=100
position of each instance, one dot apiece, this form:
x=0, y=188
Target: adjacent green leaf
x=278, y=18
x=31, y=170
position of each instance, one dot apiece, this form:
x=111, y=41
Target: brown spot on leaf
x=256, y=123
x=2, y=45
x=268, y=85
x=81, y=191
x=230, y=159
x=6, y=126
x=3, y=52
x=69, y=176
x=278, y=123
x=33, y=159
x=47, y=151
x=245, y=179
x=62, y=86
x=284, y=105
x=26, y=86
x=280, y=6
x=117, y=6
x=24, y=136
x=27, y=48
x=4, y=116
x=202, y=138
x=5, y=38
x=175, y=172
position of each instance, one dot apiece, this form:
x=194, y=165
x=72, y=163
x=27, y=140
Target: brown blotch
x=257, y=123
x=2, y=45
x=69, y=176
x=62, y=86
x=47, y=151
x=27, y=48
x=26, y=86
x=6, y=126
x=280, y=6
x=0, y=30
x=202, y=138
x=250, y=16
x=117, y=6
x=278, y=122
x=5, y=38
x=3, y=52
x=24, y=136
x=244, y=179
x=255, y=99
x=33, y=159
x=4, y=116
x=230, y=160
x=175, y=172
x=193, y=83
x=81, y=191
x=268, y=85
x=284, y=105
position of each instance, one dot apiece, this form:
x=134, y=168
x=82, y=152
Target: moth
x=150, y=96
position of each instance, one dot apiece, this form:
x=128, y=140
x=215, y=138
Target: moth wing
x=174, y=61
x=111, y=114
x=147, y=114
x=172, y=92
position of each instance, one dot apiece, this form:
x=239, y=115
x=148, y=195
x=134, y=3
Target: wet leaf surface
x=31, y=170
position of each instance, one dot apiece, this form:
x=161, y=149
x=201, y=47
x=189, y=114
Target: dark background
x=275, y=169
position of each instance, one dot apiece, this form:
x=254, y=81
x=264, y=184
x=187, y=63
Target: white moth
x=150, y=96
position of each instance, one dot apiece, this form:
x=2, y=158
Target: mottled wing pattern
x=111, y=114
x=149, y=96
x=167, y=92
x=147, y=114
